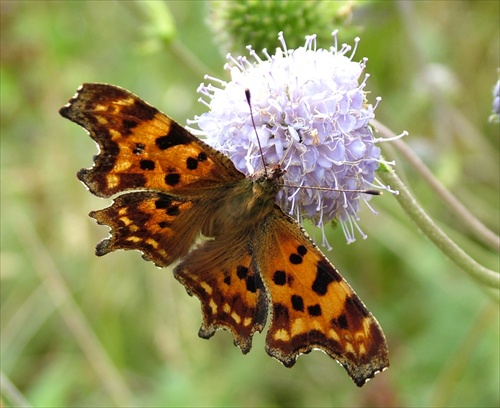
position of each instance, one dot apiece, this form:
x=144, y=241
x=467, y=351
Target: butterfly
x=181, y=202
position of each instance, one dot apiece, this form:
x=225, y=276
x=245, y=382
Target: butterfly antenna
x=342, y=190
x=247, y=94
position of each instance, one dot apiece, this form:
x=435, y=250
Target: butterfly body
x=242, y=205
x=179, y=201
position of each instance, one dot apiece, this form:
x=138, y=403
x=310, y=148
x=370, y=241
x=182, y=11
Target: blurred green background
x=78, y=330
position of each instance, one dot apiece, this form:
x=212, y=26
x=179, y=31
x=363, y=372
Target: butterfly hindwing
x=141, y=148
x=312, y=305
x=222, y=274
x=162, y=227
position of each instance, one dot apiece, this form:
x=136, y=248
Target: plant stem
x=487, y=236
x=436, y=235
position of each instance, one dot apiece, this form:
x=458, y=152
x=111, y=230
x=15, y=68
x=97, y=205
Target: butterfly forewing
x=141, y=148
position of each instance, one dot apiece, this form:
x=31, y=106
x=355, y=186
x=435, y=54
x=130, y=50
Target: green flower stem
x=487, y=236
x=436, y=235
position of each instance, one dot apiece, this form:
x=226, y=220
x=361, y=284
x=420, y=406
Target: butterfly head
x=257, y=193
x=267, y=182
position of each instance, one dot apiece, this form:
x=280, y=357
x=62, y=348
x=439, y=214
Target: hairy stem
x=487, y=236
x=436, y=235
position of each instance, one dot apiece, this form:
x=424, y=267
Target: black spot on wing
x=147, y=164
x=176, y=136
x=301, y=250
x=298, y=303
x=172, y=179
x=173, y=210
x=295, y=259
x=279, y=278
x=314, y=310
x=241, y=271
x=251, y=284
x=325, y=274
x=163, y=202
x=128, y=125
x=342, y=322
x=191, y=163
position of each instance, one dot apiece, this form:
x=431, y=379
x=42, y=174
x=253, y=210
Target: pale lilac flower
x=311, y=115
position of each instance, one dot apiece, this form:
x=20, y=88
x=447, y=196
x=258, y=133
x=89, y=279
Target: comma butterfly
x=171, y=187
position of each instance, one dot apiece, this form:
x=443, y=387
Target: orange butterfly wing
x=141, y=148
x=151, y=223
x=312, y=305
x=223, y=275
x=178, y=178
x=144, y=150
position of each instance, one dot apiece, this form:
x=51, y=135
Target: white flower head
x=311, y=117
